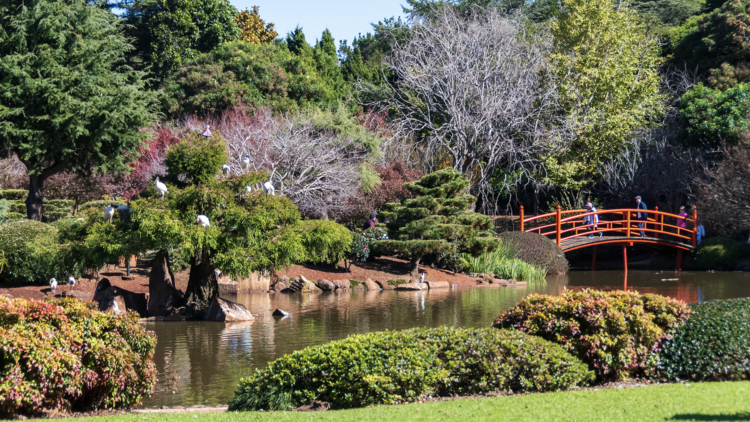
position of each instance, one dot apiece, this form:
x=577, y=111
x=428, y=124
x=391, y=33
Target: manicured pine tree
x=436, y=221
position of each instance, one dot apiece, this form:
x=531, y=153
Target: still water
x=202, y=362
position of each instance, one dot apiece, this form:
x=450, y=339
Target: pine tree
x=436, y=221
x=68, y=102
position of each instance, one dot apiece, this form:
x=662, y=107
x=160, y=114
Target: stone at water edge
x=437, y=284
x=409, y=287
x=389, y=287
x=221, y=310
x=371, y=285
x=279, y=286
x=114, y=299
x=279, y=312
x=326, y=286
x=342, y=284
x=358, y=288
x=309, y=285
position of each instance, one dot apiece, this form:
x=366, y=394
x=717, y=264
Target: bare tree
x=475, y=89
x=317, y=169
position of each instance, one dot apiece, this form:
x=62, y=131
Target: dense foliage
x=713, y=117
x=324, y=241
x=713, y=345
x=404, y=366
x=614, y=332
x=720, y=253
x=253, y=29
x=503, y=263
x=536, y=250
x=436, y=220
x=197, y=159
x=34, y=254
x=67, y=356
x=68, y=102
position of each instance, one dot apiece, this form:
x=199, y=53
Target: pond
x=202, y=362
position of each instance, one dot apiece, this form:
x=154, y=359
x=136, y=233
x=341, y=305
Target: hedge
x=404, y=366
x=714, y=344
x=720, y=253
x=14, y=194
x=68, y=356
x=15, y=216
x=537, y=250
x=324, y=241
x=616, y=332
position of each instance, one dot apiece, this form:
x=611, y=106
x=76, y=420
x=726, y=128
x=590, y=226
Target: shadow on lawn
x=744, y=416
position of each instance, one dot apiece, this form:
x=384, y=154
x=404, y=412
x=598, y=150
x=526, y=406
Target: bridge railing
x=569, y=224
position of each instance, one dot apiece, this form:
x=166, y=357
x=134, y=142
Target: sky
x=344, y=18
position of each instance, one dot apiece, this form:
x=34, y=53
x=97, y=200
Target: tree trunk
x=163, y=296
x=414, y=266
x=35, y=200
x=202, y=283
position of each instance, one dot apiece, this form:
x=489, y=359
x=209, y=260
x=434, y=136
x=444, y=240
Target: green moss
x=354, y=283
x=398, y=282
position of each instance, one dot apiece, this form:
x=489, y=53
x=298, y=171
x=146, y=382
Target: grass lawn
x=726, y=401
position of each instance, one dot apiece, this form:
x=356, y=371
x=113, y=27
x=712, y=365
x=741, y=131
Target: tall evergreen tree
x=436, y=221
x=67, y=100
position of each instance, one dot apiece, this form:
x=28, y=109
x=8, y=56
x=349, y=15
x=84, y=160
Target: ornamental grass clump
x=616, y=333
x=404, y=366
x=65, y=355
x=713, y=345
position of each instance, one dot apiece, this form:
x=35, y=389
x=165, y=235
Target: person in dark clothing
x=371, y=222
x=641, y=215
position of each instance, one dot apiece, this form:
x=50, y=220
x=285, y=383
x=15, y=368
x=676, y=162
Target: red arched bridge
x=576, y=229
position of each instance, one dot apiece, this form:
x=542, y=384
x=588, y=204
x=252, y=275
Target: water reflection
x=201, y=362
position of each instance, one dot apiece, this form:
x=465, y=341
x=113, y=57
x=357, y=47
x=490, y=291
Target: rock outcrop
x=370, y=284
x=410, y=287
x=221, y=310
x=301, y=285
x=119, y=301
x=437, y=285
x=326, y=285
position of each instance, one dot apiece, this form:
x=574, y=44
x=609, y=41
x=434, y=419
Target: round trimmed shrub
x=32, y=252
x=614, y=332
x=15, y=194
x=713, y=345
x=720, y=253
x=537, y=250
x=66, y=355
x=403, y=366
x=324, y=241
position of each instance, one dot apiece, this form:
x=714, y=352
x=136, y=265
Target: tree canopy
x=68, y=101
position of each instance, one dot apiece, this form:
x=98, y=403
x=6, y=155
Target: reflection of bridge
x=614, y=227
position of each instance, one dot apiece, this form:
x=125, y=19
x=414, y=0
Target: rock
x=342, y=284
x=358, y=288
x=279, y=312
x=279, y=286
x=437, y=285
x=221, y=310
x=326, y=286
x=371, y=285
x=82, y=296
x=381, y=283
x=388, y=287
x=169, y=318
x=409, y=287
x=227, y=289
x=301, y=285
x=114, y=299
x=128, y=277
x=314, y=406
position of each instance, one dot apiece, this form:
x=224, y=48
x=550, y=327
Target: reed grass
x=504, y=264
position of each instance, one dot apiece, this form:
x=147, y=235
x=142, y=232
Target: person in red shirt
x=371, y=222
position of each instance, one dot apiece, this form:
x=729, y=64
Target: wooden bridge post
x=627, y=224
x=557, y=224
x=695, y=227
x=625, y=258
x=521, y=217
x=656, y=218
x=678, y=261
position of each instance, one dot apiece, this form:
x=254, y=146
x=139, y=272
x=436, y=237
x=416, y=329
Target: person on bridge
x=700, y=231
x=591, y=220
x=681, y=222
x=640, y=205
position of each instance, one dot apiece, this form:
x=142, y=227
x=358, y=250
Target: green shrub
x=720, y=253
x=50, y=216
x=713, y=345
x=68, y=356
x=101, y=204
x=15, y=194
x=32, y=251
x=359, y=249
x=537, y=250
x=354, y=283
x=197, y=157
x=15, y=216
x=324, y=241
x=404, y=366
x=18, y=206
x=504, y=264
x=398, y=282
x=614, y=332
x=59, y=203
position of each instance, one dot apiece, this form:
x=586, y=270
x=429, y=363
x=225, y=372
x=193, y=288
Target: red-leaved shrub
x=66, y=355
x=614, y=332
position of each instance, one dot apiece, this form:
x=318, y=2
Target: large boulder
x=221, y=310
x=437, y=285
x=301, y=285
x=280, y=286
x=342, y=284
x=370, y=284
x=119, y=301
x=410, y=286
x=326, y=286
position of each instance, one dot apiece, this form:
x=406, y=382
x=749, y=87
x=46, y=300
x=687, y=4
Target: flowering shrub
x=360, y=250
x=68, y=356
x=403, y=366
x=614, y=332
x=713, y=345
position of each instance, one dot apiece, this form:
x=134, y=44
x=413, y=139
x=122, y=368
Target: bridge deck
x=581, y=242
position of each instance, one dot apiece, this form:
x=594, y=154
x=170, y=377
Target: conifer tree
x=436, y=221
